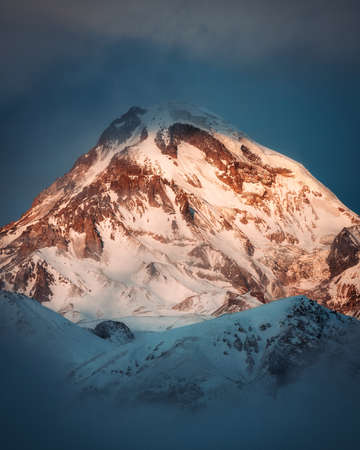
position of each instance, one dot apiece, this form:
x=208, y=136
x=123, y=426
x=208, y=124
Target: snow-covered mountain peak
x=174, y=212
x=151, y=120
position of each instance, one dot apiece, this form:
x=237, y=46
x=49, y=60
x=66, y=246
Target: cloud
x=42, y=410
x=40, y=33
x=251, y=29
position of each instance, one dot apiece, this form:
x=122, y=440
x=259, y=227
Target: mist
x=41, y=410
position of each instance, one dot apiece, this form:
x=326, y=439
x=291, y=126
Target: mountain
x=271, y=346
x=174, y=212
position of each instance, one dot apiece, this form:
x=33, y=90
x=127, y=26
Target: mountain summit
x=174, y=212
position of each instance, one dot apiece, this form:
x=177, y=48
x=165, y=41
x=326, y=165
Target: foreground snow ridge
x=268, y=346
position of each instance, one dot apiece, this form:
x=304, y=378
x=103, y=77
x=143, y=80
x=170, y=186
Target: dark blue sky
x=285, y=74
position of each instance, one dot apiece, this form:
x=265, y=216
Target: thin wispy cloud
x=41, y=33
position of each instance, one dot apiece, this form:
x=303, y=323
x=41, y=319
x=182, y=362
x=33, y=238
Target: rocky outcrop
x=34, y=279
x=42, y=286
x=93, y=242
x=233, y=303
x=116, y=332
x=344, y=251
x=121, y=129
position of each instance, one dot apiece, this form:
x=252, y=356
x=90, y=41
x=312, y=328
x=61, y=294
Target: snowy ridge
x=202, y=362
x=192, y=365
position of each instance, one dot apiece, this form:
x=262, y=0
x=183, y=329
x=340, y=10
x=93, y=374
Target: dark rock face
x=44, y=280
x=166, y=149
x=249, y=155
x=152, y=270
x=41, y=278
x=116, y=332
x=344, y=252
x=341, y=291
x=121, y=129
x=93, y=242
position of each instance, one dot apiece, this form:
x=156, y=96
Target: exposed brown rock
x=280, y=237
x=36, y=236
x=249, y=247
x=239, y=277
x=249, y=155
x=194, y=181
x=23, y=276
x=344, y=251
x=186, y=210
x=35, y=280
x=348, y=296
x=41, y=290
x=166, y=149
x=200, y=253
x=232, y=304
x=93, y=243
x=186, y=304
x=280, y=171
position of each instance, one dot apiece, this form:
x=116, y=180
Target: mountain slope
x=268, y=346
x=175, y=212
x=213, y=361
x=37, y=330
